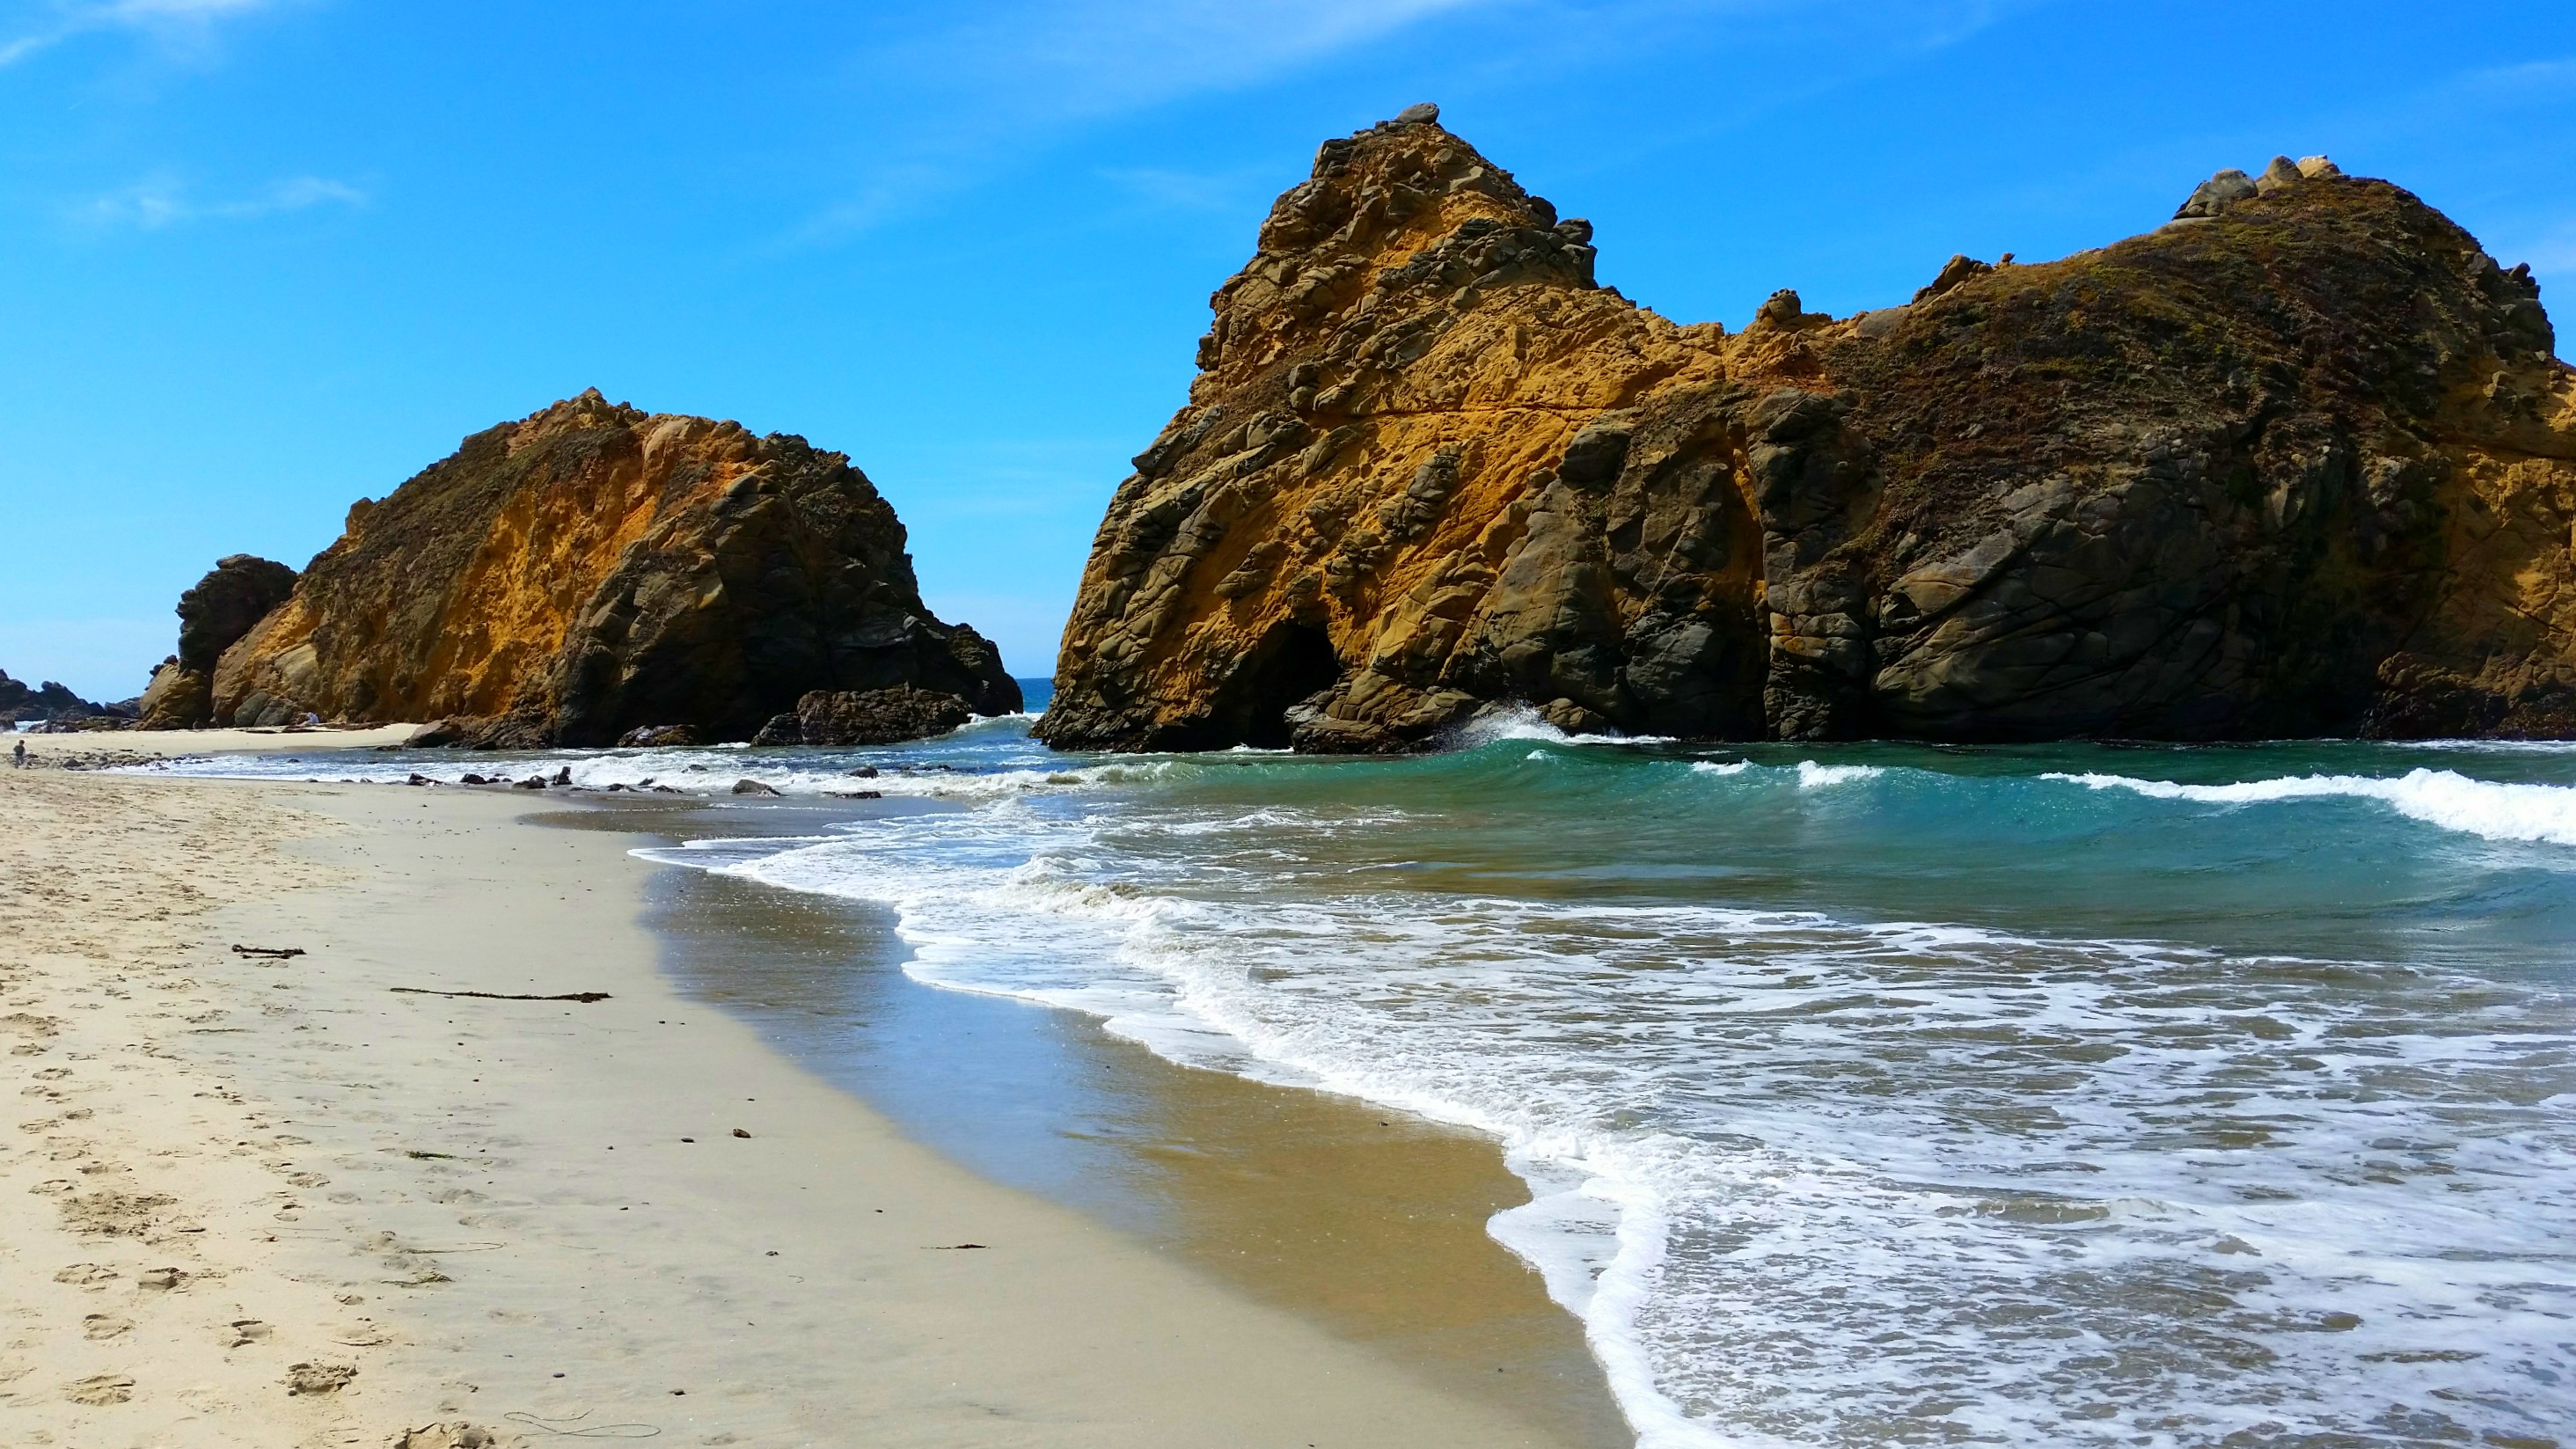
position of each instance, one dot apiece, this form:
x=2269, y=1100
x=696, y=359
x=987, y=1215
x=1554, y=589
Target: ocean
x=1866, y=1094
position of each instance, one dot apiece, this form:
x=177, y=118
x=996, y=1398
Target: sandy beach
x=305, y=1200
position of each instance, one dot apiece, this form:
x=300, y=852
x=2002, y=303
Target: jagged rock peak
x=1400, y=205
x=239, y=591
x=2298, y=463
x=48, y=701
x=593, y=569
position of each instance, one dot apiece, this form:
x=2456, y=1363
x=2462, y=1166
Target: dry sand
x=282, y=1203
x=174, y=743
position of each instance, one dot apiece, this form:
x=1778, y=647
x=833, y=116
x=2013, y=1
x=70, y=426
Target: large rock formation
x=2297, y=463
x=595, y=569
x=226, y=604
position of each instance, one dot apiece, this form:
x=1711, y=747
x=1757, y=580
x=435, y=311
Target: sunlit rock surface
x=2297, y=463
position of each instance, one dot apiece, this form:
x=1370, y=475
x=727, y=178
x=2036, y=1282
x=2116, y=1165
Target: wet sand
x=1370, y=1223
x=493, y=1211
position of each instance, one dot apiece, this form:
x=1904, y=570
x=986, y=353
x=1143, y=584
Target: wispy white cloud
x=2529, y=78
x=1116, y=55
x=163, y=200
x=979, y=87
x=1191, y=190
x=179, y=23
x=973, y=90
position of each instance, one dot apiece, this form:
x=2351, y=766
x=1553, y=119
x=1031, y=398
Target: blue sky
x=259, y=258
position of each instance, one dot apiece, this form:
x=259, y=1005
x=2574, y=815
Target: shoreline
x=1369, y=1221
x=448, y=1163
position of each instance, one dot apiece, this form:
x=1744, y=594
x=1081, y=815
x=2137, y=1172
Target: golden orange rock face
x=593, y=569
x=2296, y=464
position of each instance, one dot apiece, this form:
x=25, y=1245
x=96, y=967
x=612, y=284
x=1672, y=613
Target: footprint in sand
x=244, y=1331
x=165, y=1279
x=112, y=1212
x=84, y=1275
x=104, y=1325
x=100, y=1389
x=319, y=1378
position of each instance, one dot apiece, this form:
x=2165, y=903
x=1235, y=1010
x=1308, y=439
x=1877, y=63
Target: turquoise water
x=1868, y=1094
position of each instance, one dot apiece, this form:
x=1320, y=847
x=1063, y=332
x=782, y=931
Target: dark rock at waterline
x=878, y=716
x=438, y=734
x=81, y=724
x=752, y=787
x=659, y=736
x=20, y=702
x=866, y=717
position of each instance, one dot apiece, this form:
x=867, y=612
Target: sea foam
x=1761, y=1142
x=2489, y=808
x=1813, y=776
x=1809, y=1177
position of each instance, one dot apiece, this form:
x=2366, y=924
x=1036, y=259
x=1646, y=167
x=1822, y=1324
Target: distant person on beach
x=18, y=754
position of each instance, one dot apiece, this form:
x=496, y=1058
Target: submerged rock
x=2302, y=464
x=593, y=570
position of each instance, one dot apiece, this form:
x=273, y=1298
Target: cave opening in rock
x=1291, y=662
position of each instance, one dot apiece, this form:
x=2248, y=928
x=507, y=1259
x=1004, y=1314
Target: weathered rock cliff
x=2301, y=462
x=594, y=569
x=226, y=604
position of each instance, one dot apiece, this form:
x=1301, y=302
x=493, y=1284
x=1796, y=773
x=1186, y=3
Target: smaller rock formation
x=226, y=604
x=872, y=717
x=594, y=569
x=1959, y=268
x=648, y=737
x=48, y=701
x=2214, y=197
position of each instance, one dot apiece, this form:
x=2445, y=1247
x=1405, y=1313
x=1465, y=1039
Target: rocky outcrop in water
x=48, y=701
x=214, y=614
x=2301, y=462
x=595, y=569
x=869, y=717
